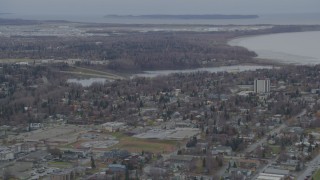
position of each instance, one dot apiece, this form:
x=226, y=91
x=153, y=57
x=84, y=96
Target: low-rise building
x=67, y=174
x=290, y=165
x=6, y=155
x=224, y=150
x=116, y=168
x=113, y=126
x=275, y=171
x=180, y=160
x=250, y=164
x=35, y=126
x=115, y=154
x=28, y=147
x=268, y=176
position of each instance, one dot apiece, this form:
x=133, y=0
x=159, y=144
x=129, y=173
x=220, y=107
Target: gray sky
x=159, y=6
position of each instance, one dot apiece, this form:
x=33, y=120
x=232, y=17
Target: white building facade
x=261, y=86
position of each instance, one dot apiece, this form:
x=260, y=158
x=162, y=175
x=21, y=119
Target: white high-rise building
x=262, y=86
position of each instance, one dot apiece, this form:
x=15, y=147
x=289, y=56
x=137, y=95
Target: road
x=251, y=148
x=275, y=131
x=261, y=170
x=264, y=140
x=312, y=166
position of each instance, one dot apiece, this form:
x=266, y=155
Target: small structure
x=224, y=150
x=115, y=154
x=28, y=147
x=290, y=165
x=35, y=126
x=181, y=158
x=116, y=168
x=250, y=164
x=113, y=126
x=6, y=155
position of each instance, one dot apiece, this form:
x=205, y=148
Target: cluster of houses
x=218, y=120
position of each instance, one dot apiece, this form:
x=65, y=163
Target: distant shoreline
x=204, y=17
x=275, y=19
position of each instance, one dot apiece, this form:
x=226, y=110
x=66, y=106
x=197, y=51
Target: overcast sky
x=137, y=7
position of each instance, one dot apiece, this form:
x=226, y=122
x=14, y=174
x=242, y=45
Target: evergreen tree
x=310, y=148
x=127, y=174
x=234, y=165
x=93, y=164
x=204, y=162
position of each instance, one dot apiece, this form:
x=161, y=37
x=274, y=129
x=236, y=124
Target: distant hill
x=4, y=21
x=213, y=16
x=4, y=13
x=17, y=22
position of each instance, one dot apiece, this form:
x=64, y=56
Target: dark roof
x=116, y=154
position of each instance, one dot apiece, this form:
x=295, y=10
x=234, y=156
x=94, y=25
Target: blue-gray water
x=293, y=48
x=282, y=19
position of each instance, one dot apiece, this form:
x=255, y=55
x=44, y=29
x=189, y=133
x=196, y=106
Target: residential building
x=225, y=150
x=271, y=170
x=116, y=168
x=261, y=86
x=67, y=174
x=6, y=155
x=113, y=126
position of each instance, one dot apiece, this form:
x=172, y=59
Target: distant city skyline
x=140, y=7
